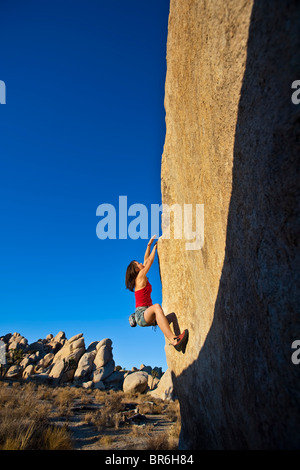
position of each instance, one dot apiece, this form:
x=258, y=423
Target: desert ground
x=69, y=418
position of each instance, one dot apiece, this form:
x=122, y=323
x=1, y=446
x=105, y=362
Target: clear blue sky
x=83, y=124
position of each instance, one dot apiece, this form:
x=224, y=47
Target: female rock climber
x=147, y=314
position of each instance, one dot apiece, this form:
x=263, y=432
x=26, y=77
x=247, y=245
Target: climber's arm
x=147, y=253
x=149, y=262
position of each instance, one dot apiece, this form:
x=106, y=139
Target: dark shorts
x=139, y=316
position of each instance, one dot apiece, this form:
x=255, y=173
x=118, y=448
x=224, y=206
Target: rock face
x=232, y=144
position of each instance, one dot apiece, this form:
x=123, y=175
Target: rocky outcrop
x=57, y=361
x=65, y=361
x=165, y=388
x=232, y=144
x=15, y=341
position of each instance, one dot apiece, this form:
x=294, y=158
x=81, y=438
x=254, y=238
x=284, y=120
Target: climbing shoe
x=182, y=341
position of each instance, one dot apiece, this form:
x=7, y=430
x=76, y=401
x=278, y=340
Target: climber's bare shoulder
x=140, y=281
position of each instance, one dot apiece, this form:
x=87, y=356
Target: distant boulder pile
x=57, y=360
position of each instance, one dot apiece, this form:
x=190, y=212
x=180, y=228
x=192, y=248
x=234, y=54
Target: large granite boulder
x=136, y=382
x=232, y=144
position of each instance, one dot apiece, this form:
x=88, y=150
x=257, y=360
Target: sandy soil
x=132, y=430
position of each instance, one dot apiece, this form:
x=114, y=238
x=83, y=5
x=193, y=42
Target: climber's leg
x=172, y=319
x=155, y=312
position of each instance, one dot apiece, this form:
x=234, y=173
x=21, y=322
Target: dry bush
x=109, y=414
x=174, y=435
x=99, y=395
x=163, y=441
x=133, y=396
x=114, y=401
x=100, y=419
x=172, y=411
x=88, y=418
x=118, y=420
x=151, y=408
x=57, y=438
x=63, y=403
x=63, y=399
x=141, y=431
x=158, y=441
x=106, y=441
x=24, y=421
x=82, y=394
x=64, y=394
x=43, y=392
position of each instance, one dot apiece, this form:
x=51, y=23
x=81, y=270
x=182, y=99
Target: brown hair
x=131, y=274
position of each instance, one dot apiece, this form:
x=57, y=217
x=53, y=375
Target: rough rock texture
x=232, y=144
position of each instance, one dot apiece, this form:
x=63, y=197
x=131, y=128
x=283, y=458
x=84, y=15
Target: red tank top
x=143, y=296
